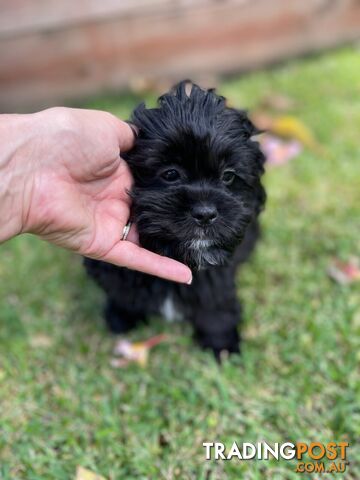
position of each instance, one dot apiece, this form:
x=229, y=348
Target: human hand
x=72, y=185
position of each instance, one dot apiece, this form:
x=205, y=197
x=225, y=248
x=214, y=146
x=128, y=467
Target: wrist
x=15, y=178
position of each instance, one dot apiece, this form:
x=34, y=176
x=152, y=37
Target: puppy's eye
x=228, y=177
x=171, y=175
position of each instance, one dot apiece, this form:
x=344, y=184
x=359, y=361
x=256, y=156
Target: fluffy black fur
x=196, y=197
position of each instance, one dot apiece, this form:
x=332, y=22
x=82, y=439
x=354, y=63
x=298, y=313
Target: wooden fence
x=54, y=50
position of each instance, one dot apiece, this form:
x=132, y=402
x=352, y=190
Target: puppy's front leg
x=217, y=331
x=216, y=316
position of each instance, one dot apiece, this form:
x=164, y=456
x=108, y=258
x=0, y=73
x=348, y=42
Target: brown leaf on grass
x=136, y=352
x=277, y=101
x=85, y=474
x=41, y=341
x=345, y=273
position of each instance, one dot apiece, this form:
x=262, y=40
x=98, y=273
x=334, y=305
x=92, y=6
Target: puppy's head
x=197, y=176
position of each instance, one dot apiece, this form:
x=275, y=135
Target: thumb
x=126, y=133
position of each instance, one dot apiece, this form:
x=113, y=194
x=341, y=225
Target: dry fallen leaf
x=287, y=127
x=345, y=272
x=130, y=352
x=293, y=128
x=137, y=352
x=85, y=474
x=277, y=101
x=41, y=341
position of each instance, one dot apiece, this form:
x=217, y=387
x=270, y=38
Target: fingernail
x=189, y=282
x=134, y=128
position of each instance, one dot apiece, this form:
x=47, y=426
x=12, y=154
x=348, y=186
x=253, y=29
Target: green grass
x=62, y=405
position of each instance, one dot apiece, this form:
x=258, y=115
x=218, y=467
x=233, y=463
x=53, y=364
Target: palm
x=87, y=216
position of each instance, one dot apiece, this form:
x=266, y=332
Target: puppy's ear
x=248, y=129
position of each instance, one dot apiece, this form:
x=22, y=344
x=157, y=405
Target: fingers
x=127, y=254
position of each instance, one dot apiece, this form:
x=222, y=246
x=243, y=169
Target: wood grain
x=51, y=51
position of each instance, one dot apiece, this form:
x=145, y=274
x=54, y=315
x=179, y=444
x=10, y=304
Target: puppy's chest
x=169, y=309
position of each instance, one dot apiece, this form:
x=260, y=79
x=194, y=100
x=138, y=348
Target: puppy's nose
x=204, y=214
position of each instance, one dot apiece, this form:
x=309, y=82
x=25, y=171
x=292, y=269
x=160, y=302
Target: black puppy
x=196, y=198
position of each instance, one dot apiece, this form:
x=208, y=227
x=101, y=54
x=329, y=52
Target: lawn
x=298, y=379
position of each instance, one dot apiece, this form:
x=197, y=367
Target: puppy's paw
x=222, y=344
x=222, y=354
